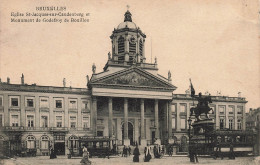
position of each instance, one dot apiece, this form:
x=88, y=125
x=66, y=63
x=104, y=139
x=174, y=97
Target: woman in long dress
x=85, y=158
x=136, y=154
x=147, y=154
x=52, y=153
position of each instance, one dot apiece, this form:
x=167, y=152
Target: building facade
x=129, y=102
x=253, y=123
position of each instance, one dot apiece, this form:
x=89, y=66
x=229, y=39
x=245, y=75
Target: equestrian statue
x=202, y=106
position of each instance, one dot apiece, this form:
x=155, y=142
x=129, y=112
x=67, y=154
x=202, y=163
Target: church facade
x=129, y=102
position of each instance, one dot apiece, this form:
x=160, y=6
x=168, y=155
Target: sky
x=213, y=42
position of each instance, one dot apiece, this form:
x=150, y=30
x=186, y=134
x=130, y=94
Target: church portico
x=130, y=120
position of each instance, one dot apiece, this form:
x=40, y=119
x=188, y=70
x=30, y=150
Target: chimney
x=64, y=82
x=8, y=80
x=239, y=94
x=22, y=79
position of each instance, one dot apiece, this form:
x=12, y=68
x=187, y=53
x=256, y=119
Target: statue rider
x=202, y=102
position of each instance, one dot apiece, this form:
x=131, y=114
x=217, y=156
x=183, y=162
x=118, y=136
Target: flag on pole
x=192, y=89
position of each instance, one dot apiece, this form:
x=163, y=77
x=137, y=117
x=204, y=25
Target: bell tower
x=128, y=45
x=128, y=42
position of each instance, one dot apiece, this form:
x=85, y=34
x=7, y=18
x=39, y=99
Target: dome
x=127, y=24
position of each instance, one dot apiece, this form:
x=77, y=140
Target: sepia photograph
x=129, y=82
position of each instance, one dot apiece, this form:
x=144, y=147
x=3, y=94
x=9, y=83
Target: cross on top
x=127, y=6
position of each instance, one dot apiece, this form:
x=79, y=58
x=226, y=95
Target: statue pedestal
x=199, y=141
x=203, y=127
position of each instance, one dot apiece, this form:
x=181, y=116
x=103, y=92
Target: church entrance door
x=130, y=132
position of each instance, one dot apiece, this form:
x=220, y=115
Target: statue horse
x=202, y=107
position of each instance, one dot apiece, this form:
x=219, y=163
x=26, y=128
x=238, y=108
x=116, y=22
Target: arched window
x=132, y=45
x=121, y=44
x=141, y=48
x=73, y=142
x=30, y=142
x=45, y=142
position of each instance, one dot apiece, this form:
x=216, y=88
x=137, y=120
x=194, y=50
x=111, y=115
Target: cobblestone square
x=44, y=160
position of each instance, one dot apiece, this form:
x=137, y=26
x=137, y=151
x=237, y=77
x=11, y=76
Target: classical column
x=126, y=140
x=156, y=119
x=143, y=140
x=94, y=116
x=169, y=120
x=110, y=117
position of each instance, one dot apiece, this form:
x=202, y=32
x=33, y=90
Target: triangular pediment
x=133, y=77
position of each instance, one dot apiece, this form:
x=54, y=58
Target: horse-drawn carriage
x=97, y=146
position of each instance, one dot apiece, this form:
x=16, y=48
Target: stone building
x=129, y=101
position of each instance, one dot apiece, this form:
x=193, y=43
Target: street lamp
x=190, y=154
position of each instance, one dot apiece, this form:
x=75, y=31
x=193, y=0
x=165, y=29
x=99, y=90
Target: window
x=121, y=45
x=14, y=121
x=58, y=103
x=183, y=108
x=44, y=102
x=14, y=100
x=99, y=133
x=230, y=123
x=45, y=142
x=86, y=121
x=1, y=120
x=173, y=108
x=173, y=123
x=230, y=109
x=30, y=121
x=239, y=110
x=239, y=124
x=29, y=102
x=141, y=47
x=132, y=45
x=58, y=121
x=59, y=136
x=73, y=104
x=44, y=121
x=30, y=142
x=1, y=101
x=84, y=104
x=221, y=123
x=73, y=140
x=222, y=110
x=183, y=123
x=73, y=121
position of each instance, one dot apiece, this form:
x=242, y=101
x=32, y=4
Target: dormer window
x=121, y=45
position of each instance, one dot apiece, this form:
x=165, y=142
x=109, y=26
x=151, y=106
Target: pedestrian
x=124, y=154
x=231, y=151
x=52, y=153
x=129, y=150
x=85, y=158
x=147, y=154
x=136, y=154
x=218, y=151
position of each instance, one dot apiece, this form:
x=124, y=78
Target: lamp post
x=190, y=154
